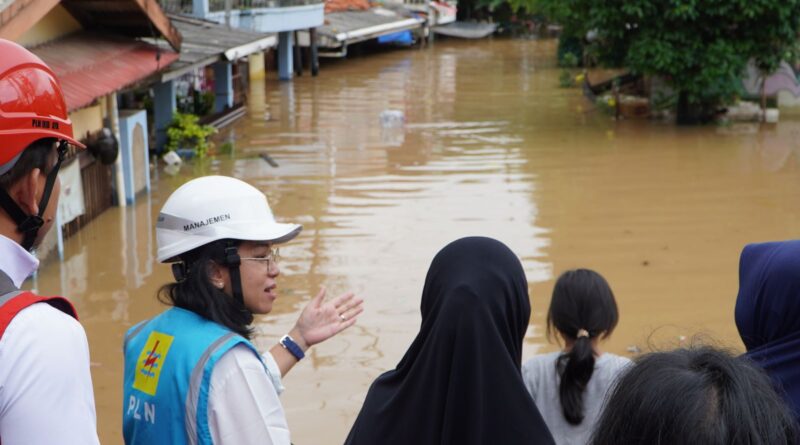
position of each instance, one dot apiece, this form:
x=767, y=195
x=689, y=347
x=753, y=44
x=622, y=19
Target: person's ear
x=26, y=191
x=217, y=274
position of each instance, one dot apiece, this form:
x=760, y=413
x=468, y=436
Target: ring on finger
x=342, y=317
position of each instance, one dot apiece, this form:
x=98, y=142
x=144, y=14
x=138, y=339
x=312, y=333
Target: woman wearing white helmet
x=191, y=374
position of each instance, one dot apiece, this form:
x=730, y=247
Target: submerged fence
x=98, y=191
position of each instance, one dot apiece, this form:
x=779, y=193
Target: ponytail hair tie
x=582, y=333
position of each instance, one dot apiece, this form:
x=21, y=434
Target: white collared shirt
x=46, y=392
x=243, y=403
x=15, y=261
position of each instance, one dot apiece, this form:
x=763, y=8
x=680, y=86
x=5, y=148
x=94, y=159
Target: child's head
x=699, y=395
x=582, y=301
x=582, y=309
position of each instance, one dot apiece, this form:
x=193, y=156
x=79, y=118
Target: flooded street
x=491, y=146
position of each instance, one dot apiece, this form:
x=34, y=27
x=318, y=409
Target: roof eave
x=249, y=48
x=24, y=20
x=161, y=22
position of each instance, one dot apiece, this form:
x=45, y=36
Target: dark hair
x=196, y=293
x=582, y=299
x=695, y=396
x=39, y=155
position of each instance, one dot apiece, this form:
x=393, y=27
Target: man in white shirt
x=46, y=392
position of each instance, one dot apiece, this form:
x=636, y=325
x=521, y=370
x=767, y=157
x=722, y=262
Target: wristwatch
x=288, y=343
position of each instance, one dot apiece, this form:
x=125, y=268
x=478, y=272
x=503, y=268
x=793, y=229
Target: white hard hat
x=212, y=208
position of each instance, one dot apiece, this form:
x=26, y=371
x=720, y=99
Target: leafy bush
x=185, y=131
x=197, y=102
x=566, y=79
x=570, y=51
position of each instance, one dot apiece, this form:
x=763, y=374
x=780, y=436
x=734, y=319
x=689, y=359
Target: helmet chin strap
x=29, y=225
x=233, y=261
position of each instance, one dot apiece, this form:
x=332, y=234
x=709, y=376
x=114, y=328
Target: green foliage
x=570, y=14
x=226, y=148
x=606, y=104
x=493, y=5
x=570, y=51
x=565, y=79
x=203, y=102
x=701, y=47
x=664, y=101
x=197, y=102
x=186, y=132
x=569, y=60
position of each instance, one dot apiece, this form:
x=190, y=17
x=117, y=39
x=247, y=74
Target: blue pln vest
x=168, y=364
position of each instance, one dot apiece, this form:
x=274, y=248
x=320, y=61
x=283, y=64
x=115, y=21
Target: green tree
x=701, y=47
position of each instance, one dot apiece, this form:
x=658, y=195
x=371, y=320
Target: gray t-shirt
x=542, y=380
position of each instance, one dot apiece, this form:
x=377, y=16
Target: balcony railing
x=176, y=6
x=185, y=6
x=220, y=5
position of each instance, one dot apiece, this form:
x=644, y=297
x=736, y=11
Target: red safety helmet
x=32, y=105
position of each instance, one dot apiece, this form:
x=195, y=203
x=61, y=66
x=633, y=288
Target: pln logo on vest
x=151, y=362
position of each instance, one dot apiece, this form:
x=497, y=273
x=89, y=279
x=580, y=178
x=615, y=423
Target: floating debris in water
x=392, y=118
x=268, y=159
x=172, y=158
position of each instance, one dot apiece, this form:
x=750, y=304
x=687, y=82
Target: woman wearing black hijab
x=459, y=382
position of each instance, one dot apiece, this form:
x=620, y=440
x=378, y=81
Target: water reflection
x=776, y=146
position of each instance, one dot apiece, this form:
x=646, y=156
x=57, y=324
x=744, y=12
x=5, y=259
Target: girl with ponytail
x=569, y=387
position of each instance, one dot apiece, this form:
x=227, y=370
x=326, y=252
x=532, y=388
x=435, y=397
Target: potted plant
x=187, y=137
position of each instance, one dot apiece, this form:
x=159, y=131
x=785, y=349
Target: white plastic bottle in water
x=392, y=118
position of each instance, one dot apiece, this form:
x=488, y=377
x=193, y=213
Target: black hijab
x=459, y=382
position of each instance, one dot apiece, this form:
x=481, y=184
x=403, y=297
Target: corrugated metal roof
x=90, y=66
x=357, y=26
x=205, y=42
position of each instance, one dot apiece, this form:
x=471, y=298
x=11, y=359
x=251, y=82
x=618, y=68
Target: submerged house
x=284, y=17
x=402, y=22
x=222, y=58
x=353, y=21
x=96, y=50
x=112, y=57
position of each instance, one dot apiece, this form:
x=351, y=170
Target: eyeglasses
x=272, y=258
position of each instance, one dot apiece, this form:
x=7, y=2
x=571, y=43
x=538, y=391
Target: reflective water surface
x=490, y=146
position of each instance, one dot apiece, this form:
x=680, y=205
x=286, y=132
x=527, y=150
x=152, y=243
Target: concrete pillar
x=256, y=66
x=200, y=8
x=164, y=106
x=313, y=52
x=285, y=55
x=223, y=86
x=113, y=118
x=257, y=100
x=298, y=57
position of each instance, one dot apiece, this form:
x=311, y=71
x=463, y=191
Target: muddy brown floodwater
x=491, y=146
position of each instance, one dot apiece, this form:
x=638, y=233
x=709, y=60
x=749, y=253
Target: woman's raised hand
x=321, y=320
